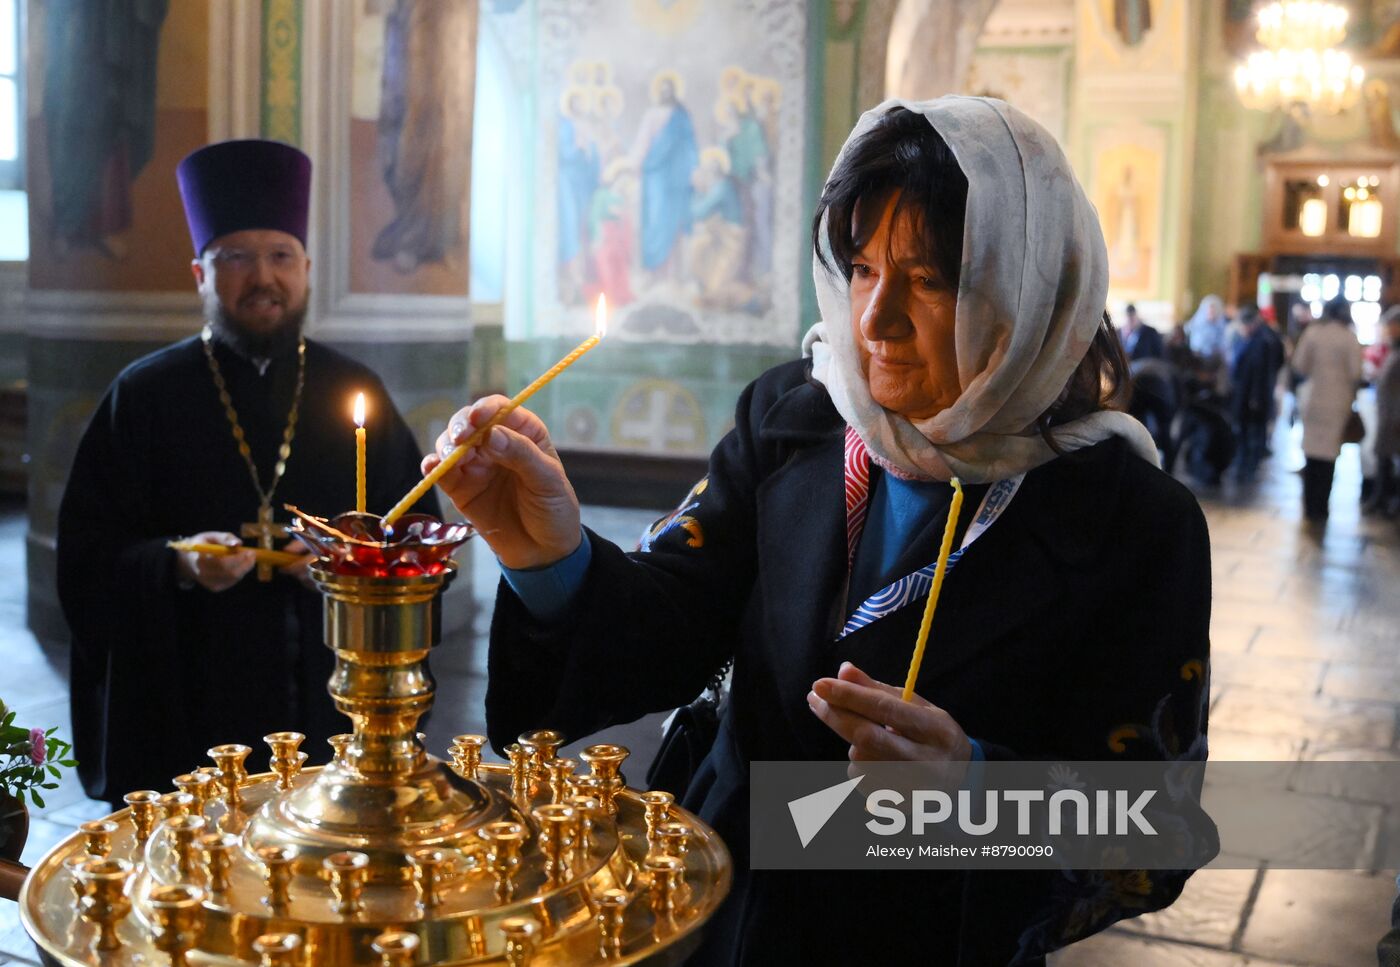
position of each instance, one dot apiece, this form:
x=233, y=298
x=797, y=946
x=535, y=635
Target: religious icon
x=666, y=153
x=424, y=130
x=578, y=179
x=1126, y=189
x=100, y=112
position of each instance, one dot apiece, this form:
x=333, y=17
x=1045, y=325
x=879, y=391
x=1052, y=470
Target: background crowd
x=1211, y=393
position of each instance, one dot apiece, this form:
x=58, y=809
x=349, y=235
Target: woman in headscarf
x=961, y=276
x=1328, y=358
x=1207, y=330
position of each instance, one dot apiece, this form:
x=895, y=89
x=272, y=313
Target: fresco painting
x=656, y=213
x=1127, y=187
x=664, y=166
x=410, y=146
x=118, y=98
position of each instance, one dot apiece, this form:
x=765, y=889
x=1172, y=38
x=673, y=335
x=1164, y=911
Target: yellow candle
x=939, y=570
x=448, y=462
x=360, y=452
x=275, y=558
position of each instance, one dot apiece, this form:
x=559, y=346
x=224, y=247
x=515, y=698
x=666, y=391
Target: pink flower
x=36, y=746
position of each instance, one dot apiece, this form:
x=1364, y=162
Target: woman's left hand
x=881, y=726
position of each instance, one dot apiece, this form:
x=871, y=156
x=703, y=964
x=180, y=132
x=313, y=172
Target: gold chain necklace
x=264, y=528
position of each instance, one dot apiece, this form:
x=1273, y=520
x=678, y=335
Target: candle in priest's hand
x=360, y=452
x=600, y=325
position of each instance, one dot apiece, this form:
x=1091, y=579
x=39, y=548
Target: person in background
x=1252, y=377
x=1328, y=362
x=177, y=651
x=1205, y=332
x=1140, y=341
x=1274, y=332
x=1386, y=495
x=1177, y=350
x=1299, y=316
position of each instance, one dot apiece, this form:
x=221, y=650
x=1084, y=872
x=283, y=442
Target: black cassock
x=160, y=674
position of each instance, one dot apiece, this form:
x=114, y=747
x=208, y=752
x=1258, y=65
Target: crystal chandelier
x=1300, y=68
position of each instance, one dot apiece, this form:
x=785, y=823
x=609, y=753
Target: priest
x=174, y=652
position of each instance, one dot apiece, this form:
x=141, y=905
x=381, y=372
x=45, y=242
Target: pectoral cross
x=263, y=530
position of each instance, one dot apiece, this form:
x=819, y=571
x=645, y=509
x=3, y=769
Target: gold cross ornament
x=263, y=530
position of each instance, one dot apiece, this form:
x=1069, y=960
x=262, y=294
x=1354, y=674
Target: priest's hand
x=300, y=569
x=213, y=573
x=512, y=488
x=881, y=726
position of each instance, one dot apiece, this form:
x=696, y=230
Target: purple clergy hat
x=236, y=185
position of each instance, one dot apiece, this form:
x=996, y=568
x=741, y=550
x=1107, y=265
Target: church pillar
x=931, y=43
x=108, y=277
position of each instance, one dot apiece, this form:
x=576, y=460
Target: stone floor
x=1306, y=655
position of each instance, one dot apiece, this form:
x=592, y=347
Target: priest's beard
x=251, y=343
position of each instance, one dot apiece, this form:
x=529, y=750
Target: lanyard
x=912, y=586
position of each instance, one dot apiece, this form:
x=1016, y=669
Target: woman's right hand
x=512, y=488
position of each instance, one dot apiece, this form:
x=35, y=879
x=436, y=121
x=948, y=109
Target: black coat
x=1149, y=344
x=1254, y=375
x=1075, y=627
x=160, y=674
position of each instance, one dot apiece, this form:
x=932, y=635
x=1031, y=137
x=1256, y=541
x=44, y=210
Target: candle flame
x=359, y=409
x=600, y=317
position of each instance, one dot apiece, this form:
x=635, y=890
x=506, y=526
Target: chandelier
x=1300, y=68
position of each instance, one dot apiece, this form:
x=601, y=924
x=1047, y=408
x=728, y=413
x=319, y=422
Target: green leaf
x=48, y=785
x=38, y=800
x=70, y=763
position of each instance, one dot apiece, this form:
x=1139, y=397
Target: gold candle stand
x=384, y=853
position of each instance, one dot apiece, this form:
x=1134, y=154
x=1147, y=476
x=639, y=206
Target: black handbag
x=688, y=739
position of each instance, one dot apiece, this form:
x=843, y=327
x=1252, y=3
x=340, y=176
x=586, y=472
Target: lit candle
x=450, y=461
x=360, y=452
x=939, y=570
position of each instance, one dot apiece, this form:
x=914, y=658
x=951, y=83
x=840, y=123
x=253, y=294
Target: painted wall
x=410, y=147
x=1035, y=79
x=101, y=209
x=1133, y=142
x=668, y=158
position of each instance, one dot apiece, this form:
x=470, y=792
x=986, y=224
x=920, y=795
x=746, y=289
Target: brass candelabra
x=385, y=855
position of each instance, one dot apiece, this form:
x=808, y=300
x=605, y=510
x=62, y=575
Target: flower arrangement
x=29, y=759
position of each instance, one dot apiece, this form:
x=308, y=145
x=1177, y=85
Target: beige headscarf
x=1031, y=296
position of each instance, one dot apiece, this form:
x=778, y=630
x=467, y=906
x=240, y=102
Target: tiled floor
x=1306, y=640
